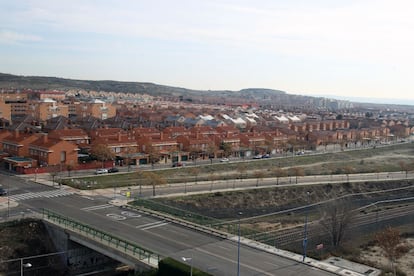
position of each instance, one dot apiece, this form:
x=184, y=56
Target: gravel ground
x=405, y=263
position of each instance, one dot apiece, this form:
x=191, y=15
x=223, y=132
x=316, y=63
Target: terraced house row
x=47, y=130
x=62, y=147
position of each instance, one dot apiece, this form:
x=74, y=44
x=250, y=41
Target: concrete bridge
x=62, y=229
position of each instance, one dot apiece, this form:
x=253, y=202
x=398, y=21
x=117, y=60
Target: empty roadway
x=215, y=255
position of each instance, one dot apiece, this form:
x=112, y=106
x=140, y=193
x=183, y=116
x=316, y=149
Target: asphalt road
x=215, y=255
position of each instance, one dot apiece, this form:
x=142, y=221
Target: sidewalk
x=335, y=265
x=44, y=179
x=6, y=203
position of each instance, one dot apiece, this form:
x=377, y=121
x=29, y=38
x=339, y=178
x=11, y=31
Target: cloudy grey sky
x=349, y=48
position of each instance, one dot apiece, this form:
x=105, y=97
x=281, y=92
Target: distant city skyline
x=355, y=48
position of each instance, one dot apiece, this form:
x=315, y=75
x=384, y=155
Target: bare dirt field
x=405, y=263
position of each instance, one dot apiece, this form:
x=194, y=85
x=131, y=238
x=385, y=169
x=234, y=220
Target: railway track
x=291, y=235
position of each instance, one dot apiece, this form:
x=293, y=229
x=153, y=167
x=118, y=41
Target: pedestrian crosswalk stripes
x=45, y=194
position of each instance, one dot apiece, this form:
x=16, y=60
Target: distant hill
x=50, y=83
x=265, y=97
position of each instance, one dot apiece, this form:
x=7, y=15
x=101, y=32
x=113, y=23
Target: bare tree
x=278, y=172
x=153, y=154
x=348, y=170
x=194, y=153
x=212, y=176
x=128, y=154
x=404, y=167
x=241, y=168
x=70, y=167
x=388, y=240
x=342, y=143
x=102, y=153
x=53, y=171
x=195, y=171
x=259, y=176
x=153, y=179
x=377, y=170
x=297, y=171
x=226, y=148
x=336, y=218
x=211, y=151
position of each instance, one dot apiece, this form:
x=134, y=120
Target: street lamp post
x=305, y=231
x=23, y=266
x=238, y=247
x=191, y=264
x=8, y=200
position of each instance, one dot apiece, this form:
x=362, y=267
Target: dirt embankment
x=27, y=238
x=224, y=205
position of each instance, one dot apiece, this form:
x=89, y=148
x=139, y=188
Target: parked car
x=113, y=170
x=178, y=164
x=3, y=192
x=266, y=155
x=259, y=156
x=224, y=160
x=101, y=171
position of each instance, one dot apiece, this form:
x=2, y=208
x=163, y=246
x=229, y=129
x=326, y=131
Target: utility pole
x=305, y=231
x=238, y=247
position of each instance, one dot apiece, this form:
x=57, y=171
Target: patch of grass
x=362, y=161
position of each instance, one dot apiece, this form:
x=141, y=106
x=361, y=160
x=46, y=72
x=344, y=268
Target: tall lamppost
x=185, y=259
x=8, y=199
x=238, y=247
x=305, y=231
x=23, y=266
x=35, y=175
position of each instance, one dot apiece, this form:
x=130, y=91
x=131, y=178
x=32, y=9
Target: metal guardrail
x=129, y=248
x=179, y=221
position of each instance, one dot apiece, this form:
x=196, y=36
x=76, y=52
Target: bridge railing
x=178, y=216
x=129, y=248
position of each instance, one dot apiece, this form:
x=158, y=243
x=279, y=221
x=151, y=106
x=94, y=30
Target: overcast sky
x=362, y=48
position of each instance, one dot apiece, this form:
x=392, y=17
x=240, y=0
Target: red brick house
x=51, y=152
x=75, y=136
x=196, y=145
x=17, y=143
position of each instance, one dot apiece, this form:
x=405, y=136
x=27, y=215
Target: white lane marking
x=96, y=207
x=148, y=224
x=155, y=226
x=88, y=197
x=116, y=216
x=130, y=214
x=224, y=248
